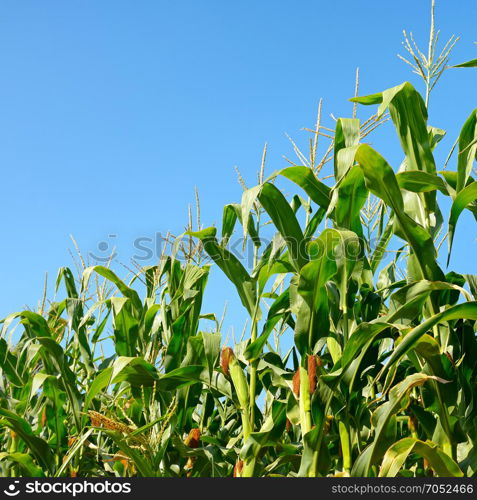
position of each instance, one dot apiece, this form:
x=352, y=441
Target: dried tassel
x=226, y=356
x=98, y=420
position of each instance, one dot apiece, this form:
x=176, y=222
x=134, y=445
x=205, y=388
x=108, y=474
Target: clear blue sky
x=112, y=111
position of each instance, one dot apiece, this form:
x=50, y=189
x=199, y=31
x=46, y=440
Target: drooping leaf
x=231, y=267
x=467, y=310
x=383, y=419
x=467, y=153
x=279, y=210
x=142, y=465
x=409, y=115
x=407, y=302
x=38, y=447
x=277, y=310
x=464, y=198
x=111, y=276
x=381, y=181
x=25, y=462
x=307, y=180
x=469, y=64
x=396, y=455
x=420, y=182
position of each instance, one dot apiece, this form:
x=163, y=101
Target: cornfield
x=359, y=355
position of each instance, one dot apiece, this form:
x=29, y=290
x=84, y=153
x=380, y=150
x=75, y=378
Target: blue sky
x=112, y=112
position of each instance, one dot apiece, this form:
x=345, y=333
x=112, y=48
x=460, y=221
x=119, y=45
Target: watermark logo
x=12, y=489
x=150, y=249
x=64, y=488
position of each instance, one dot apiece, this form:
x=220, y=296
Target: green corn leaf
x=347, y=135
x=277, y=310
x=420, y=182
x=313, y=223
x=381, y=181
x=249, y=198
x=66, y=275
x=139, y=371
x=469, y=64
x=218, y=384
x=25, y=462
x=77, y=446
x=351, y=197
x=180, y=377
x=384, y=421
x=34, y=323
x=462, y=200
x=125, y=326
x=136, y=371
x=211, y=348
x=383, y=243
x=307, y=180
x=9, y=365
x=428, y=348
x=472, y=282
x=231, y=267
x=358, y=344
x=409, y=115
x=309, y=300
x=102, y=380
x=269, y=434
x=279, y=210
x=407, y=302
x=111, y=276
x=142, y=465
x=38, y=447
x=229, y=218
x=74, y=308
x=467, y=150
x=56, y=363
x=467, y=310
x=397, y=454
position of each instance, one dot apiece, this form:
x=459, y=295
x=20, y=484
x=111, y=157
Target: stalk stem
x=345, y=444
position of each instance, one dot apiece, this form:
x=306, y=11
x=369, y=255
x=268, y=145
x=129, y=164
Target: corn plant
x=360, y=354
